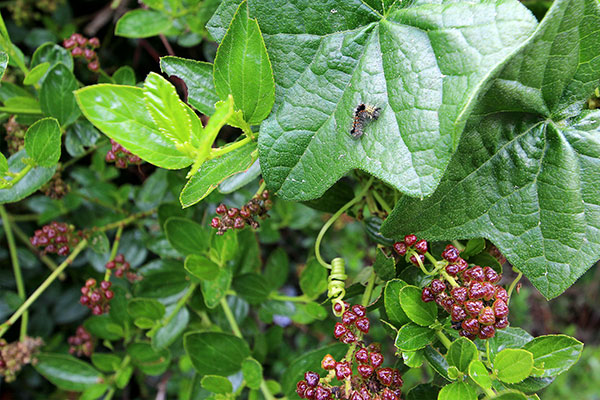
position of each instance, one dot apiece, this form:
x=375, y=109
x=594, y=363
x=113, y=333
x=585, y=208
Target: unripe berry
x=362, y=356
x=473, y=307
x=458, y=313
x=105, y=285
x=322, y=393
x=359, y=310
x=301, y=388
x=239, y=223
x=348, y=338
x=94, y=66
x=376, y=359
x=94, y=42
x=491, y=275
x=487, y=332
x=471, y=325
x=450, y=254
x=501, y=323
x=97, y=310
x=311, y=378
x=460, y=294
x=233, y=212
x=488, y=290
x=400, y=248
x=415, y=261
x=215, y=222
x=110, y=265
x=348, y=318
x=437, y=286
x=84, y=300
x=95, y=297
x=119, y=258
x=109, y=294
x=337, y=307
x=310, y=393
x=421, y=246
x=343, y=370
x=339, y=330
x=476, y=274
x=365, y=370
x=328, y=362
x=427, y=295
x=410, y=240
x=476, y=290
x=466, y=334
x=77, y=51
x=363, y=324
x=90, y=282
x=452, y=269
x=385, y=376
x=397, y=379
x=486, y=316
x=501, y=294
x=388, y=395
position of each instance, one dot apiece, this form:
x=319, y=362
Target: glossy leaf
x=32, y=181
x=479, y=373
x=198, y=78
x=242, y=68
x=508, y=338
x=106, y=362
x=313, y=279
x=252, y=288
x=149, y=360
x=391, y=298
x=216, y=353
x=437, y=361
x=458, y=390
x=36, y=74
x=142, y=23
x=145, y=308
x=67, y=372
x=510, y=395
x=3, y=164
x=56, y=95
x=513, y=365
x=417, y=310
x=421, y=64
x=554, y=353
x=413, y=337
x=460, y=354
x=253, y=373
x=527, y=170
x=215, y=171
x=201, y=267
x=213, y=291
x=187, y=236
x=119, y=112
x=168, y=333
x=43, y=142
x=103, y=327
x=216, y=384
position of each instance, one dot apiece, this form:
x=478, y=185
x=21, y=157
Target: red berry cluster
x=353, y=320
x=81, y=343
x=413, y=247
x=122, y=268
x=56, y=237
x=234, y=218
x=96, y=298
x=478, y=306
x=80, y=46
x=56, y=188
x=121, y=156
x=14, y=356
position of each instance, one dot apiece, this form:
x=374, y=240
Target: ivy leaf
x=421, y=64
x=242, y=68
x=119, y=112
x=198, y=78
x=527, y=172
x=42, y=142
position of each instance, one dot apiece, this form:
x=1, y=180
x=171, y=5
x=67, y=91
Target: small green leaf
x=424, y=391
x=391, y=298
x=313, y=279
x=99, y=243
x=509, y=338
x=42, y=142
x=53, y=54
x=215, y=171
x=437, y=361
x=252, y=288
x=460, y=354
x=66, y=372
x=479, y=373
x=56, y=95
x=171, y=115
x=167, y=334
x=149, y=360
x=253, y=373
x=458, y=390
x=36, y=73
x=223, y=248
x=106, y=362
x=145, y=308
x=217, y=384
x=125, y=75
x=215, y=353
x=94, y=392
x=103, y=327
x=142, y=23
x=509, y=395
x=413, y=359
x=242, y=68
x=120, y=113
x=413, y=337
x=513, y=365
x=213, y=291
x=384, y=266
x=277, y=268
x=198, y=78
x=201, y=267
x=187, y=236
x=554, y=353
x=3, y=164
x=3, y=63
x=417, y=310
x=453, y=372
x=474, y=246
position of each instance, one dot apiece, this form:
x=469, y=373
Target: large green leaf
x=526, y=174
x=198, y=78
x=421, y=64
x=242, y=68
x=67, y=372
x=56, y=95
x=42, y=142
x=215, y=353
x=554, y=353
x=119, y=112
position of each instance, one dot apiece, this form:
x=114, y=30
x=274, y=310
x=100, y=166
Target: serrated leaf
x=42, y=142
x=513, y=365
x=460, y=354
x=417, y=310
x=242, y=68
x=198, y=78
x=56, y=95
x=413, y=337
x=458, y=390
x=422, y=65
x=527, y=171
x=120, y=113
x=215, y=171
x=215, y=353
x=554, y=353
x=67, y=372
x=142, y=23
x=171, y=115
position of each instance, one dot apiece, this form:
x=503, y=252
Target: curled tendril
x=336, y=289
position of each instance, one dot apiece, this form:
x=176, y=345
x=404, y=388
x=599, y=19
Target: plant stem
x=16, y=178
x=449, y=278
x=230, y=318
x=180, y=303
x=33, y=297
x=382, y=202
x=366, y=298
x=14, y=258
x=13, y=110
x=113, y=251
x=214, y=153
x=443, y=338
x=265, y=390
x=294, y=299
x=334, y=217
x=514, y=284
x=125, y=221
